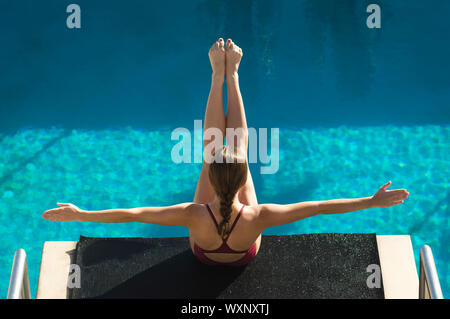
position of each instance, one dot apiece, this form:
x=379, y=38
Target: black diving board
x=286, y=267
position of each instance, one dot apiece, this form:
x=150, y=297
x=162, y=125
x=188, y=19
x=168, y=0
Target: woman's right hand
x=66, y=212
x=384, y=198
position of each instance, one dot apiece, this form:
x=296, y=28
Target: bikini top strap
x=217, y=225
x=235, y=221
x=212, y=215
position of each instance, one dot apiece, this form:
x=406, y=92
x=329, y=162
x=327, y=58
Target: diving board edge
x=398, y=268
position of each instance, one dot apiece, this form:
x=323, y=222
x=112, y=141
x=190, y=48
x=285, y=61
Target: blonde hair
x=227, y=176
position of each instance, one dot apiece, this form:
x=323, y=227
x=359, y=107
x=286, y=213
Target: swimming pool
x=86, y=115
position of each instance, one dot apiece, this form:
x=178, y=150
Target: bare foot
x=233, y=58
x=217, y=58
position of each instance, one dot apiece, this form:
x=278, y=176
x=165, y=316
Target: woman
x=225, y=221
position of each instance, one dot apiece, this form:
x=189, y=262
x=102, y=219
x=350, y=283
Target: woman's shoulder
x=250, y=212
x=195, y=208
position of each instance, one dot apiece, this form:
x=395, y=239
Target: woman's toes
x=229, y=44
x=221, y=44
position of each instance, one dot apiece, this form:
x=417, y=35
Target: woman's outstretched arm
x=176, y=215
x=273, y=215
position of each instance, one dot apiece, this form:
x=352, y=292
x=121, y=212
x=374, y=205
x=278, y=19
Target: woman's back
x=244, y=236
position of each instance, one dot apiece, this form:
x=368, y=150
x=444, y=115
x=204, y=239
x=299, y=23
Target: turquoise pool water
x=129, y=168
x=86, y=115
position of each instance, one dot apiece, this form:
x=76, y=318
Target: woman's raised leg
x=235, y=118
x=214, y=117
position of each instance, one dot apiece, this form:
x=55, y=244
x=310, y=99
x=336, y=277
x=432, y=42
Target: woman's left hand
x=66, y=212
x=388, y=198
